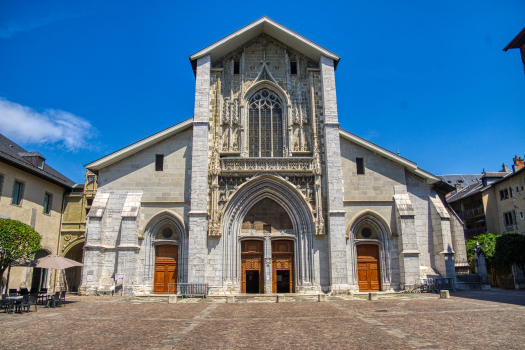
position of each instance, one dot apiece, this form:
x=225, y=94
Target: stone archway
x=300, y=214
x=165, y=229
x=73, y=274
x=380, y=237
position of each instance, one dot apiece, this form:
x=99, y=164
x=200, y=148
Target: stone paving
x=469, y=320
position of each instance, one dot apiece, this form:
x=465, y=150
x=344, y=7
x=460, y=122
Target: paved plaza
x=468, y=320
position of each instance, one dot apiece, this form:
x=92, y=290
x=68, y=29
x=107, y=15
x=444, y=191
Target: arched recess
x=299, y=211
x=285, y=99
x=72, y=275
x=374, y=220
x=153, y=236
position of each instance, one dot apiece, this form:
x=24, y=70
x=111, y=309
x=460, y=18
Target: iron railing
x=189, y=289
x=471, y=232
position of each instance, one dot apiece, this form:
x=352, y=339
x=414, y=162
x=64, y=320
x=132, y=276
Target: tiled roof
x=464, y=179
x=31, y=154
x=465, y=192
x=11, y=153
x=494, y=174
x=508, y=176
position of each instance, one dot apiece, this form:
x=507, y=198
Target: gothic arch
x=147, y=250
x=292, y=201
x=262, y=84
x=379, y=224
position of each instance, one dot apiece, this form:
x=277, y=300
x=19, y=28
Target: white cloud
x=27, y=126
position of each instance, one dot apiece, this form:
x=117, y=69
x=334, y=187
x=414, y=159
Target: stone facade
x=264, y=159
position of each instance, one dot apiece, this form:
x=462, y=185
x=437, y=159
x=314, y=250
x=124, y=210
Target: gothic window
x=266, y=125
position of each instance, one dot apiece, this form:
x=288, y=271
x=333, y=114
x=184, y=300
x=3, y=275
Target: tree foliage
x=18, y=242
x=487, y=242
x=510, y=250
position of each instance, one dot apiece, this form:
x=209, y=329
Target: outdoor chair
x=23, y=291
x=55, y=301
x=24, y=303
x=5, y=302
x=63, y=297
x=27, y=302
x=33, y=290
x=13, y=292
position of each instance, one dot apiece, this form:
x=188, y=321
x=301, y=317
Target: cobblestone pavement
x=469, y=320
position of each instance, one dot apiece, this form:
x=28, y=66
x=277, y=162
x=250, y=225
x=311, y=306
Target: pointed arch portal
x=300, y=215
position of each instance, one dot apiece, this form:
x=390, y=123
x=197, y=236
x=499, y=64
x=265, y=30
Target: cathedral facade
x=262, y=192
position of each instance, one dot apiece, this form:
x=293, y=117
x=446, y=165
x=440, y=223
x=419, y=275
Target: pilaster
x=408, y=249
x=442, y=237
x=335, y=208
x=199, y=175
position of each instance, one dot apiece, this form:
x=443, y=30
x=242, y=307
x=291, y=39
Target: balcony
x=265, y=165
x=472, y=213
x=472, y=232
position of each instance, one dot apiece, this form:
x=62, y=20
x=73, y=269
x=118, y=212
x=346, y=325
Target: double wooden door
x=282, y=267
x=368, y=267
x=252, y=267
x=166, y=257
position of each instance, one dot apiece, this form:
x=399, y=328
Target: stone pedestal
x=444, y=294
x=172, y=299
x=372, y=296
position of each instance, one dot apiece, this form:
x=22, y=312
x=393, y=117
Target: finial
x=398, y=153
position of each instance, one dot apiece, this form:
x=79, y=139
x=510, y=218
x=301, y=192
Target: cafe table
x=14, y=299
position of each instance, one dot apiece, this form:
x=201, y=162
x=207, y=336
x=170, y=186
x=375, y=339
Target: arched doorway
x=73, y=274
x=368, y=267
x=39, y=279
x=283, y=266
x=252, y=267
x=166, y=271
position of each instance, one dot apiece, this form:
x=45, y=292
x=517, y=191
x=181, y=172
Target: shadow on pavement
x=516, y=297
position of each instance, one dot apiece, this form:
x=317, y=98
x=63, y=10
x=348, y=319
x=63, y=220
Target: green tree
x=18, y=242
x=487, y=242
x=510, y=250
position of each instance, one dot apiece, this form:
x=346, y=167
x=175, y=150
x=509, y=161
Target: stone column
x=199, y=175
x=408, y=249
x=268, y=265
x=335, y=208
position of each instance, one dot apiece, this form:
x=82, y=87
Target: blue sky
x=79, y=80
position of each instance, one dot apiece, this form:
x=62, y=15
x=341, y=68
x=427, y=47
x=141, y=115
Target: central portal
x=252, y=268
x=282, y=266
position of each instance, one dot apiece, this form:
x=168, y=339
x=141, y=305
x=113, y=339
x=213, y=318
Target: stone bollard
x=321, y=297
x=280, y=299
x=372, y=296
x=172, y=299
x=230, y=299
x=444, y=294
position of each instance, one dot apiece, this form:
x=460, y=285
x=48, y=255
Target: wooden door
x=283, y=266
x=166, y=257
x=368, y=267
x=252, y=267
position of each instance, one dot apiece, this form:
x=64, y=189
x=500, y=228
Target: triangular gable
x=272, y=28
x=138, y=146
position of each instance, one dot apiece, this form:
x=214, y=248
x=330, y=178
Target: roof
x=270, y=27
x=508, y=176
x=31, y=154
x=466, y=179
x=517, y=42
x=494, y=174
x=12, y=154
x=138, y=146
x=465, y=192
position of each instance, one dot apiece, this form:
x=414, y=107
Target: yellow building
x=77, y=204
x=31, y=192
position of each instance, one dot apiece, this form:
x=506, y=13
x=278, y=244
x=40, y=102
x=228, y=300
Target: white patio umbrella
x=57, y=263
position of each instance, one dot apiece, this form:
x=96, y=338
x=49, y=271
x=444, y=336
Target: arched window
x=266, y=125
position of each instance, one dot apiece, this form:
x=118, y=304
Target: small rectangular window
x=89, y=202
x=293, y=67
x=18, y=190
x=159, y=162
x=359, y=162
x=48, y=200
x=517, y=190
x=236, y=67
x=522, y=216
x=511, y=192
x=267, y=228
x=1, y=183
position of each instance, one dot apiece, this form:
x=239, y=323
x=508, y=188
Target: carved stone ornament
x=215, y=165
